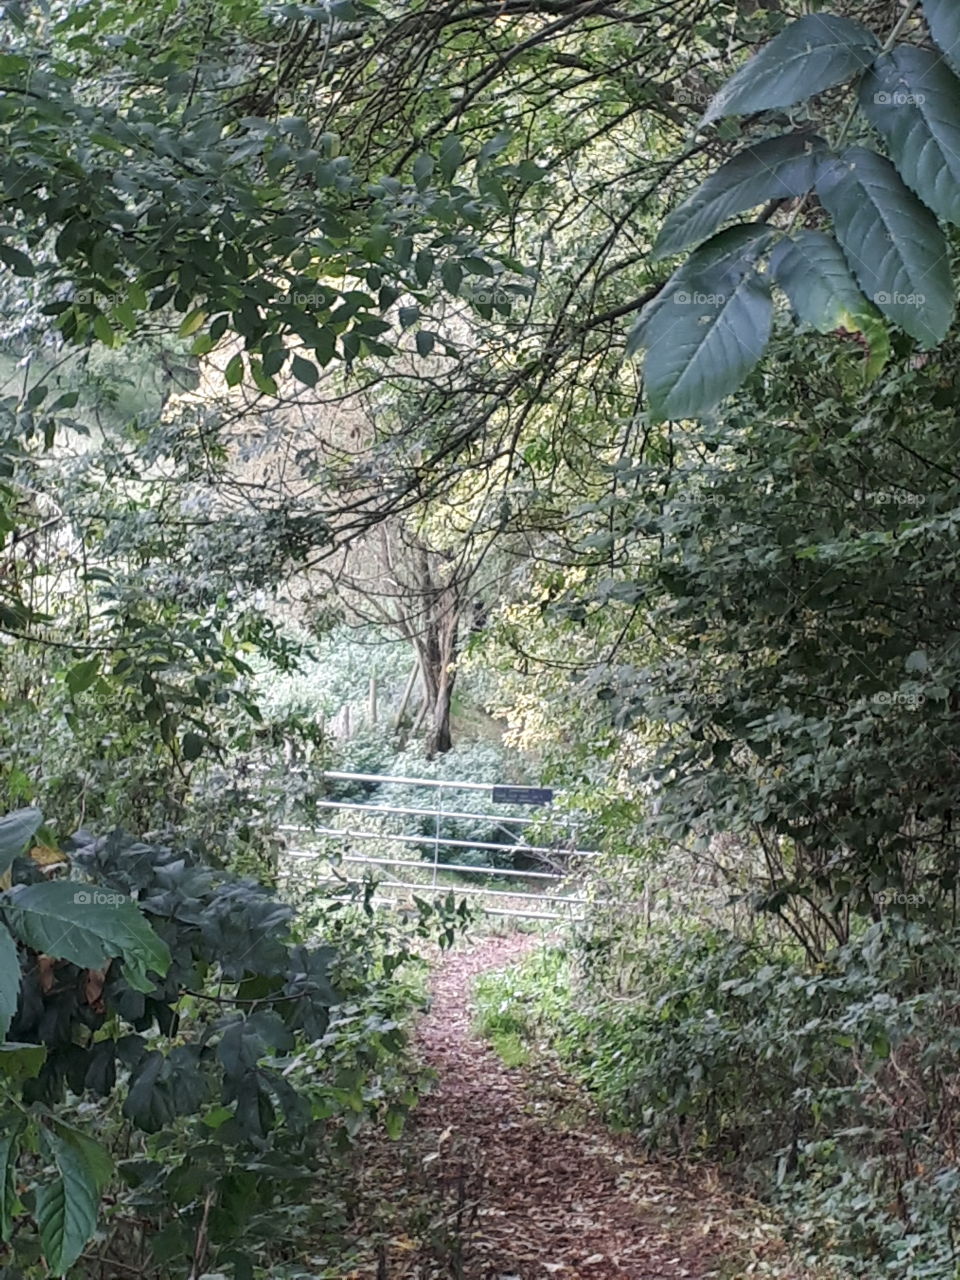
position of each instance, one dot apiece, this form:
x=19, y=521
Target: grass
x=510, y=1048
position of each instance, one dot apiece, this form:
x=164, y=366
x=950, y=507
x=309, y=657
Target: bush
x=831, y=1090
x=188, y=1045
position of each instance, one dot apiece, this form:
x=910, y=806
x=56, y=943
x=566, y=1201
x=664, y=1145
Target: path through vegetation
x=530, y=1185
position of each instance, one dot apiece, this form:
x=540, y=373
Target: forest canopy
x=549, y=391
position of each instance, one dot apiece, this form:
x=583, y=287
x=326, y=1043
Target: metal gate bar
x=496, y=911
x=447, y=866
x=546, y=854
x=415, y=782
x=351, y=833
x=493, y=893
x=424, y=813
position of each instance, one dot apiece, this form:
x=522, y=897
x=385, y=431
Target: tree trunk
x=437, y=653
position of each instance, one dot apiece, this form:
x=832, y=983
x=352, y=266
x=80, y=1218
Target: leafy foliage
x=186, y=992
x=825, y=1085
x=883, y=211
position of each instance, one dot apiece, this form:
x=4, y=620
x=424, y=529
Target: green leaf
x=304, y=371
x=87, y=925
x=425, y=342
x=422, y=169
x=9, y=1148
x=17, y=829
x=234, y=370
x=162, y=1088
x=724, y=252
x=192, y=746
x=19, y=1062
x=192, y=323
x=202, y=344
x=18, y=262
x=262, y=380
x=943, y=19
x=810, y=55
x=778, y=169
x=451, y=274
x=9, y=982
x=892, y=242
x=408, y=316
x=913, y=101
x=423, y=267
x=709, y=328
x=917, y=661
x=67, y=1209
x=493, y=147
x=451, y=156
x=813, y=273
x=101, y=327
x=82, y=676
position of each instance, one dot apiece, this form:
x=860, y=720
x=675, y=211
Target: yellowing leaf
x=192, y=323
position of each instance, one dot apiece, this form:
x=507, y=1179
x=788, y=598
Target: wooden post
x=405, y=700
x=421, y=715
x=372, y=702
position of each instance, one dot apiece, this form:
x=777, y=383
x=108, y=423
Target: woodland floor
x=506, y=1175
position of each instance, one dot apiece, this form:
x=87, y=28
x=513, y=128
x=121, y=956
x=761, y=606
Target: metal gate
x=555, y=861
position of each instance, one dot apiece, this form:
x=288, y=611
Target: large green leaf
x=87, y=925
x=80, y=677
x=162, y=1088
x=9, y=1147
x=810, y=55
x=9, y=980
x=813, y=273
x=724, y=252
x=943, y=19
x=913, y=100
x=19, y=1062
x=779, y=169
x=16, y=831
x=893, y=243
x=66, y=1209
x=709, y=327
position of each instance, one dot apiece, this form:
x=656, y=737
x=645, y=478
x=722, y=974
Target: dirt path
x=526, y=1197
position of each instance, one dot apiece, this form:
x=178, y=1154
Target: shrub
x=178, y=1037
x=831, y=1090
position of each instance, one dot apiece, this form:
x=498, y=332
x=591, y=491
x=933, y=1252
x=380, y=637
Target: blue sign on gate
x=522, y=795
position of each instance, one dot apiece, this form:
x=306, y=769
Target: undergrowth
x=831, y=1090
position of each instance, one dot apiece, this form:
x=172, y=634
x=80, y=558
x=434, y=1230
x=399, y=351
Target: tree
x=394, y=577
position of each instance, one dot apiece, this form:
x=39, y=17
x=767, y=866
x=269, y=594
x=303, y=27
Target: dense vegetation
x=325, y=444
